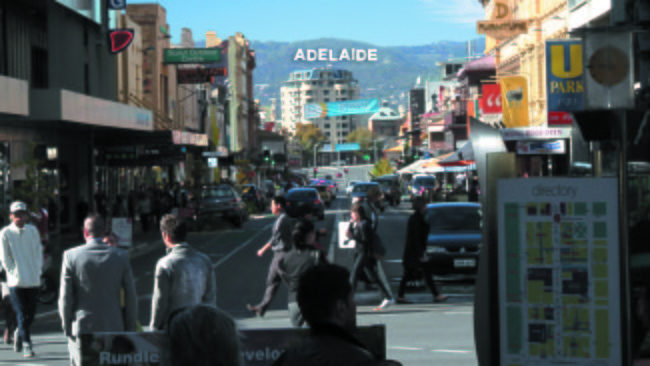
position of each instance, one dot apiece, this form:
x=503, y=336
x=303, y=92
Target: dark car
x=360, y=192
x=423, y=186
x=220, y=201
x=325, y=194
x=299, y=197
x=250, y=193
x=391, y=190
x=332, y=185
x=455, y=237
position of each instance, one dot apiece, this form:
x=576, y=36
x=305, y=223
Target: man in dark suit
x=91, y=280
x=417, y=233
x=280, y=243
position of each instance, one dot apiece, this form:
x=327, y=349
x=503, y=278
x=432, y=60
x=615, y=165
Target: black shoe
x=258, y=310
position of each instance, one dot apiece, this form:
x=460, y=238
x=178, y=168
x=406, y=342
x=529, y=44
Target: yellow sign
x=502, y=29
x=242, y=162
x=514, y=94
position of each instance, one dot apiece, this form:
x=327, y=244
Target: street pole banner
x=348, y=107
x=123, y=228
x=198, y=75
x=491, y=99
x=514, y=96
x=559, y=271
x=260, y=347
x=564, y=86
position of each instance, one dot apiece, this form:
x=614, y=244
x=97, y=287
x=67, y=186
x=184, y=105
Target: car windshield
x=218, y=192
x=362, y=187
x=454, y=218
x=320, y=188
x=352, y=183
x=425, y=181
x=301, y=194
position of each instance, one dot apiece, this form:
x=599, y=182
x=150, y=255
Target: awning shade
x=464, y=156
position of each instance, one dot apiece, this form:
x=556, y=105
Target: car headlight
x=432, y=250
x=414, y=190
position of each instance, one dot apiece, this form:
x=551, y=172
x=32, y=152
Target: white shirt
x=21, y=255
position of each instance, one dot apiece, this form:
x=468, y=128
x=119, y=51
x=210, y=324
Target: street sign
x=348, y=147
x=214, y=153
x=213, y=163
x=366, y=157
x=191, y=55
x=198, y=75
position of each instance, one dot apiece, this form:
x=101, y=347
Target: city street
x=417, y=334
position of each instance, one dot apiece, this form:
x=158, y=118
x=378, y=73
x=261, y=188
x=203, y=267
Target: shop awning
x=463, y=157
x=397, y=148
x=415, y=167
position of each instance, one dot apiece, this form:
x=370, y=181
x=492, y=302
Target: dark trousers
x=9, y=315
x=367, y=264
x=273, y=280
x=412, y=273
x=24, y=302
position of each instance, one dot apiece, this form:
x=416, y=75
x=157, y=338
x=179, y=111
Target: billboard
x=492, y=99
x=514, y=95
x=564, y=83
x=540, y=147
x=333, y=109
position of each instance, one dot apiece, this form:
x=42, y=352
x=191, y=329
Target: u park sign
x=192, y=55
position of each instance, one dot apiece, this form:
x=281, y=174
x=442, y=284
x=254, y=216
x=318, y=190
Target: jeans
x=24, y=302
x=74, y=347
x=368, y=264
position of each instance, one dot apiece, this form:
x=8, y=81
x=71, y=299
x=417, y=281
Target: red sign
x=120, y=39
x=198, y=75
x=559, y=119
x=269, y=126
x=492, y=99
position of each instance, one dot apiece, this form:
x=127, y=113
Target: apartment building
x=319, y=86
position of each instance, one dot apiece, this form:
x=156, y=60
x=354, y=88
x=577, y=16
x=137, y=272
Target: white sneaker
x=27, y=350
x=384, y=304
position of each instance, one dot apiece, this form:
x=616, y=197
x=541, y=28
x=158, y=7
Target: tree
x=382, y=167
x=308, y=136
x=366, y=140
x=33, y=190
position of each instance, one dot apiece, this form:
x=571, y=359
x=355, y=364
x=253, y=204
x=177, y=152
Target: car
x=332, y=184
x=328, y=177
x=455, y=237
x=325, y=194
x=270, y=188
x=423, y=186
x=360, y=191
x=220, y=201
x=250, y=193
x=348, y=189
x=300, y=197
x=391, y=190
x=340, y=163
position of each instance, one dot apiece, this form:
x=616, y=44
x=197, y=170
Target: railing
x=161, y=121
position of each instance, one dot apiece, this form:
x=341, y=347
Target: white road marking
x=236, y=250
x=458, y=312
x=407, y=348
x=451, y=351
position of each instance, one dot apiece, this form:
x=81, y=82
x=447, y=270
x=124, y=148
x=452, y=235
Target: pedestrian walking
x=280, y=243
x=302, y=256
x=11, y=323
x=92, y=277
x=184, y=277
x=21, y=254
x=144, y=208
x=361, y=231
x=417, y=233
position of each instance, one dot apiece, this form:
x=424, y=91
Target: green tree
x=382, y=167
x=366, y=140
x=308, y=136
x=34, y=189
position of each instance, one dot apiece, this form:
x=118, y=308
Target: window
x=327, y=125
x=3, y=44
x=327, y=134
x=330, y=84
x=343, y=92
x=338, y=134
x=327, y=118
x=345, y=133
x=344, y=125
x=344, y=118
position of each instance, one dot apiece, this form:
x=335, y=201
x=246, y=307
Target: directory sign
x=559, y=297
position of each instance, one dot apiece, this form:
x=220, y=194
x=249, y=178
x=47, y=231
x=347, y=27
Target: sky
x=378, y=22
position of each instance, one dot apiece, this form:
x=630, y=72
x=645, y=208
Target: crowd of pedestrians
x=98, y=293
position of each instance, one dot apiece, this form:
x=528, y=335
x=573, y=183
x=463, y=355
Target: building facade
x=319, y=86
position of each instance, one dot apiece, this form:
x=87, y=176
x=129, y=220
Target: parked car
x=299, y=197
x=348, y=189
x=220, y=201
x=391, y=190
x=455, y=237
x=360, y=192
x=250, y=193
x=270, y=188
x=422, y=185
x=328, y=177
x=325, y=194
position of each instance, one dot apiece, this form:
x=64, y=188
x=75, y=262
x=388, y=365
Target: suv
x=423, y=186
x=391, y=190
x=300, y=197
x=324, y=193
x=220, y=201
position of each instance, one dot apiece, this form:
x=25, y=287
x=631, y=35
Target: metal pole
x=624, y=249
x=374, y=146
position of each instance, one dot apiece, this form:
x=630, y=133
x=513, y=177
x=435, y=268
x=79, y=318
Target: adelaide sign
x=198, y=75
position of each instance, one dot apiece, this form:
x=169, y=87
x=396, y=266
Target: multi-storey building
x=319, y=86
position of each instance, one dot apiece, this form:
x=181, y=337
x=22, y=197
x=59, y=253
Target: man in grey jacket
x=92, y=277
x=184, y=277
x=280, y=243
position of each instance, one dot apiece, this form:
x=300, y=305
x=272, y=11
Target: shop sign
x=191, y=55
x=213, y=163
x=501, y=24
x=198, y=75
x=540, y=147
x=189, y=138
x=514, y=134
x=514, y=95
x=492, y=99
x=564, y=88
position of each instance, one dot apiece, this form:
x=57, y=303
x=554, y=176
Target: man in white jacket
x=21, y=254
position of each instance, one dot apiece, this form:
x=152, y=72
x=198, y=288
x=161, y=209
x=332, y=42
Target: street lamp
x=315, y=146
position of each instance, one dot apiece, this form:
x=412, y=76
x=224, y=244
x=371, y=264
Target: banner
x=492, y=99
x=564, y=85
x=514, y=95
x=333, y=109
x=260, y=347
x=540, y=147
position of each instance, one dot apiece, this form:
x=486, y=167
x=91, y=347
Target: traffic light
x=345, y=170
x=267, y=155
x=273, y=162
x=315, y=172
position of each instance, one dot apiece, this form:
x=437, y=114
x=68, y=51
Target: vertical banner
x=564, y=83
x=559, y=271
x=492, y=99
x=514, y=95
